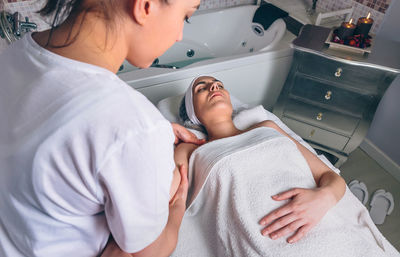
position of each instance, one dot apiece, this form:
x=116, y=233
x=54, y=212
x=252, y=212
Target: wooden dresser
x=330, y=97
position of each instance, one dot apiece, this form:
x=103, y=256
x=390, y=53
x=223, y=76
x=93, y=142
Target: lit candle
x=346, y=30
x=364, y=25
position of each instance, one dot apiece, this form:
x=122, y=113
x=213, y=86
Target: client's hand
x=305, y=209
x=184, y=135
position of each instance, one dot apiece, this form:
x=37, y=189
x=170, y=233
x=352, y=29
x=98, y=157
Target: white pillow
x=169, y=107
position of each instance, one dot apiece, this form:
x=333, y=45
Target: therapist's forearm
x=166, y=242
x=163, y=246
x=113, y=250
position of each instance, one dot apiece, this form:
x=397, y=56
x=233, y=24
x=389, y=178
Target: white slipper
x=359, y=189
x=382, y=204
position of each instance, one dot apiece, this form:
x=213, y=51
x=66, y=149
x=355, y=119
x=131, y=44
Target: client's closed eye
x=200, y=89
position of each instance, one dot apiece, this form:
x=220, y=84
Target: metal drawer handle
x=312, y=133
x=338, y=72
x=319, y=116
x=328, y=95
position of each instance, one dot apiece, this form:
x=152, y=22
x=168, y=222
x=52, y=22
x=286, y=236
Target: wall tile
x=211, y=4
x=360, y=9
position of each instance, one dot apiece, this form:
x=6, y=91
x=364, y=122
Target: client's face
x=210, y=99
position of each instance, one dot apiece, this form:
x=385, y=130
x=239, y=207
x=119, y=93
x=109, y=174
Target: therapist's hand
x=182, y=134
x=303, y=212
x=177, y=204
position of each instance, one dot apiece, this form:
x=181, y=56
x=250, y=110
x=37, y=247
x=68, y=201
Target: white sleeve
x=135, y=183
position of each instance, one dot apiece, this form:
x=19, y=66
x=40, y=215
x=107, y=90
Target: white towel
x=231, y=182
x=249, y=117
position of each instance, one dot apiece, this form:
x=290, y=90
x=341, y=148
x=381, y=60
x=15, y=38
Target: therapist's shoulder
x=122, y=106
x=139, y=108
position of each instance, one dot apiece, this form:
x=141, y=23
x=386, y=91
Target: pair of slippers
x=382, y=202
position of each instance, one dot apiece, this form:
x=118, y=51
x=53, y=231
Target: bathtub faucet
x=12, y=28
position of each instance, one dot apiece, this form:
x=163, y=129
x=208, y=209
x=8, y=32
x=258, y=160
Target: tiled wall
x=379, y=5
x=210, y=4
x=377, y=8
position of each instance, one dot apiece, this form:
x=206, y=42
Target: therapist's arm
x=307, y=206
x=113, y=250
x=166, y=242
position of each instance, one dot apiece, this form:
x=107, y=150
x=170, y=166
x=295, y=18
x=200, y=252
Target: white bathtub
x=225, y=32
x=225, y=45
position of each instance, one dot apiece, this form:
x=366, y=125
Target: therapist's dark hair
x=70, y=10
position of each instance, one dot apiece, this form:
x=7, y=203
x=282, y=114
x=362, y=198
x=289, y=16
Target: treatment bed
x=231, y=182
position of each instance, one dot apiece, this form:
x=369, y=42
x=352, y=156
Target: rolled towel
x=267, y=13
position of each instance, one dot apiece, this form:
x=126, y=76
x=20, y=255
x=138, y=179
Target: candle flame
x=369, y=14
x=351, y=20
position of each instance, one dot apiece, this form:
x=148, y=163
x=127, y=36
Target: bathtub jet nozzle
x=190, y=53
x=258, y=30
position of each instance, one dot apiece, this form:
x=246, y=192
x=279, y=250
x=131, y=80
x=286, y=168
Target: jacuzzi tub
x=253, y=63
x=222, y=33
x=219, y=33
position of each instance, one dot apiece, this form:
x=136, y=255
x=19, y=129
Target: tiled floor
x=363, y=168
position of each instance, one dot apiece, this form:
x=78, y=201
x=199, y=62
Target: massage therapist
x=82, y=155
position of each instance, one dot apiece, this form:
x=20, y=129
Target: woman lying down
x=258, y=192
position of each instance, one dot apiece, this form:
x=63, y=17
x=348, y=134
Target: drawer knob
x=328, y=95
x=338, y=72
x=319, y=116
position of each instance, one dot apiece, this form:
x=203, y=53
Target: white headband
x=189, y=103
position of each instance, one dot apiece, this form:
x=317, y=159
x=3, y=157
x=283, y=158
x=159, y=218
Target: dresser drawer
x=350, y=102
x=316, y=135
x=364, y=78
x=320, y=117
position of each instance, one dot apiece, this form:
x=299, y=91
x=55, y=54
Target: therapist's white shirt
x=81, y=154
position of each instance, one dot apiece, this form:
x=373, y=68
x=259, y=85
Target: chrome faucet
x=12, y=28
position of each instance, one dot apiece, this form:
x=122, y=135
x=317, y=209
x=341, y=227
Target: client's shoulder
x=265, y=123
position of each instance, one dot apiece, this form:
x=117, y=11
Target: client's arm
x=181, y=155
x=183, y=152
x=308, y=206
